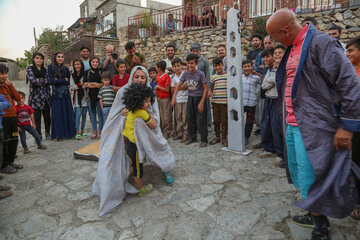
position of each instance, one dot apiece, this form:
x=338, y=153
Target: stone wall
x=47, y=51
x=101, y=43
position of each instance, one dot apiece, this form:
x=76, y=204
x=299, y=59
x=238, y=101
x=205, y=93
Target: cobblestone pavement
x=216, y=195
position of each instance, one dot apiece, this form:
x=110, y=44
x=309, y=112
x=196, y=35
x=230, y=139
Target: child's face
x=184, y=67
x=177, y=67
x=268, y=60
x=147, y=104
x=196, y=51
x=153, y=75
x=77, y=66
x=94, y=63
x=191, y=65
x=158, y=69
x=106, y=81
x=247, y=68
x=353, y=54
x=122, y=68
x=22, y=100
x=278, y=54
x=219, y=68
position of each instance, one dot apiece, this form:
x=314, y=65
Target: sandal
x=17, y=166
x=94, y=135
x=225, y=143
x=42, y=147
x=8, y=170
x=5, y=194
x=203, y=144
x=176, y=137
x=214, y=141
x=5, y=188
x=355, y=214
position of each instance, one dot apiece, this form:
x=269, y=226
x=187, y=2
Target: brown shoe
x=26, y=150
x=214, y=141
x=203, y=144
x=42, y=147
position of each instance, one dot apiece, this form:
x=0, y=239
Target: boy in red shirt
x=119, y=80
x=163, y=96
x=24, y=114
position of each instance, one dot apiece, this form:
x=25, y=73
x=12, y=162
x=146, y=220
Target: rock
x=201, y=204
x=79, y=196
x=236, y=194
x=218, y=234
x=57, y=206
x=121, y=221
x=65, y=218
x=340, y=24
x=87, y=214
x=126, y=235
x=36, y=224
x=221, y=176
x=348, y=14
x=174, y=196
x=276, y=185
x=154, y=232
x=89, y=231
x=268, y=233
x=357, y=13
x=208, y=189
x=77, y=183
x=350, y=23
x=356, y=21
x=354, y=29
x=339, y=17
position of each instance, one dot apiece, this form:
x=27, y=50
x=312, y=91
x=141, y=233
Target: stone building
x=13, y=67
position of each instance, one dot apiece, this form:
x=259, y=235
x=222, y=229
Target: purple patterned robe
x=39, y=91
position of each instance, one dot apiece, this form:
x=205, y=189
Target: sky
x=18, y=17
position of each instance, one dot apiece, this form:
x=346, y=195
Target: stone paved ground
x=216, y=195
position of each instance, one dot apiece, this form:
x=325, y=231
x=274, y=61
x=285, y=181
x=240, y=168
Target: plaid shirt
x=251, y=89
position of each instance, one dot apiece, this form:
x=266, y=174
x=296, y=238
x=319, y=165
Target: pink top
x=291, y=67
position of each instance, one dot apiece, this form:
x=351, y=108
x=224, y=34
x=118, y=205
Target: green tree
x=27, y=60
x=59, y=41
x=260, y=26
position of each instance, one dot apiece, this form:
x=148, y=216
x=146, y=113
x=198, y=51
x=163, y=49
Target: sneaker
x=42, y=147
x=78, y=137
x=169, y=180
x=266, y=154
x=84, y=135
x=94, y=135
x=145, y=190
x=304, y=220
x=47, y=136
x=209, y=129
x=277, y=161
x=26, y=150
x=320, y=234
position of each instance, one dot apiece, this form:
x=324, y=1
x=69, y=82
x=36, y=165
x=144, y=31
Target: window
x=108, y=21
x=85, y=11
x=262, y=7
x=310, y=6
x=98, y=28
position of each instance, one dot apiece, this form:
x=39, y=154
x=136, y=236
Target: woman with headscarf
x=40, y=93
x=92, y=81
x=79, y=98
x=114, y=165
x=62, y=124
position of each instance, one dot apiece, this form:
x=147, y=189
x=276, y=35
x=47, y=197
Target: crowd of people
x=301, y=90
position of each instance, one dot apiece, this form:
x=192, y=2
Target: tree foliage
x=260, y=26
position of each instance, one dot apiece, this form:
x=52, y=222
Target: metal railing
x=192, y=17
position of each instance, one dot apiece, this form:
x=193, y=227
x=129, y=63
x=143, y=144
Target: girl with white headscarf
x=114, y=165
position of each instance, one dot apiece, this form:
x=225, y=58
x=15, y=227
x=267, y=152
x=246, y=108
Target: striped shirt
x=108, y=95
x=219, y=85
x=291, y=68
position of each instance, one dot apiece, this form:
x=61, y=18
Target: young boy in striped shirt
x=106, y=94
x=218, y=92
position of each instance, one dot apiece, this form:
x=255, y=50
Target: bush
x=260, y=26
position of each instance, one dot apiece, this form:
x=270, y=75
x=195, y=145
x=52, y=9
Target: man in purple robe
x=319, y=92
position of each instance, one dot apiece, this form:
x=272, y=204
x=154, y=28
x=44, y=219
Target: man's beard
x=171, y=56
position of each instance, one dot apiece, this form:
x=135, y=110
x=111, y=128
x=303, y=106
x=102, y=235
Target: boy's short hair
x=176, y=60
x=119, y=61
x=152, y=69
x=309, y=19
x=217, y=60
x=170, y=44
x=221, y=45
x=355, y=42
x=129, y=45
x=135, y=95
x=83, y=47
x=335, y=27
x=246, y=62
x=280, y=46
x=192, y=56
x=3, y=69
x=105, y=74
x=161, y=64
x=22, y=93
x=268, y=52
x=256, y=35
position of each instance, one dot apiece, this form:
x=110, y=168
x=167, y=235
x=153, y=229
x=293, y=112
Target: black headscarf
x=38, y=73
x=93, y=75
x=80, y=91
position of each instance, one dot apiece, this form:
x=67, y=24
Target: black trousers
x=1, y=146
x=356, y=155
x=250, y=119
x=47, y=120
x=10, y=140
x=197, y=121
x=131, y=151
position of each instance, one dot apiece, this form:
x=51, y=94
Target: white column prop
x=236, y=125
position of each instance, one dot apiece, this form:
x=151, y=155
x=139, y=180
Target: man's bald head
x=283, y=27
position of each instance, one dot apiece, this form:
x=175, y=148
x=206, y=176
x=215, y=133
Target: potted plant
x=145, y=24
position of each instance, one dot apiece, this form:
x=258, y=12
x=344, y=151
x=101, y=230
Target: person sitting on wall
x=170, y=24
x=207, y=15
x=190, y=20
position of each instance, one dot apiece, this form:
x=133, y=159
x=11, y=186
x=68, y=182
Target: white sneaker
x=277, y=161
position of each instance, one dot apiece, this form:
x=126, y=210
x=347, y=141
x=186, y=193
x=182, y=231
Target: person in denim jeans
x=24, y=114
x=79, y=99
x=106, y=95
x=92, y=83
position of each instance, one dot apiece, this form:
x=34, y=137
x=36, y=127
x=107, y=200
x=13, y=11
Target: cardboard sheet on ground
x=90, y=152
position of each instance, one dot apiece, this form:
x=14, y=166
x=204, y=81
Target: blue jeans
x=106, y=111
x=300, y=168
x=30, y=129
x=93, y=116
x=80, y=112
